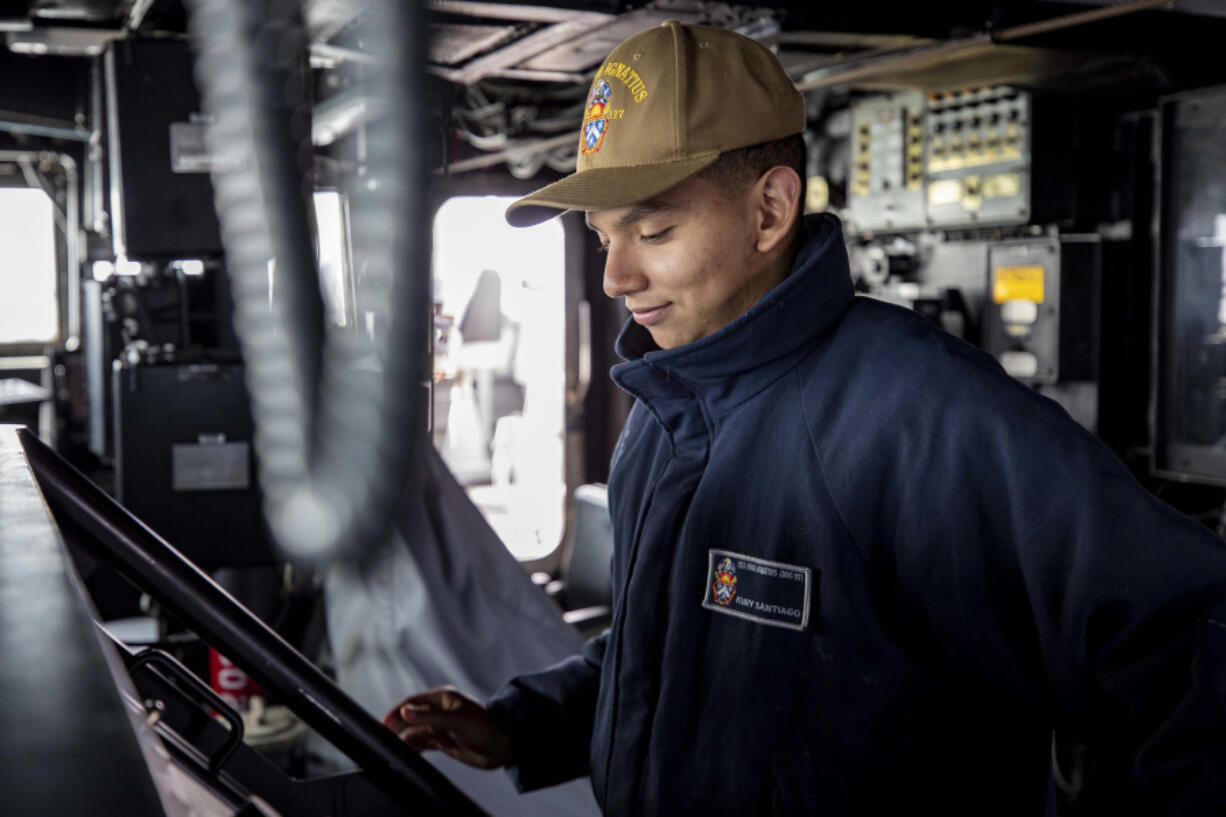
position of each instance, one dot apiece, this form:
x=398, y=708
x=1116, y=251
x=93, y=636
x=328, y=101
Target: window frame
x=60, y=172
x=576, y=241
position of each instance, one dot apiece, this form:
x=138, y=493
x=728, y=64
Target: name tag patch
x=768, y=592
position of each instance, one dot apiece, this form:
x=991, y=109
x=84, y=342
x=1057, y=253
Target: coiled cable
x=335, y=435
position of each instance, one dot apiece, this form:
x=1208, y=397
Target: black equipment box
x=1189, y=382
x=184, y=461
x=161, y=195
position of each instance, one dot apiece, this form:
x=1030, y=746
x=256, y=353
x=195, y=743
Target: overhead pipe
x=866, y=66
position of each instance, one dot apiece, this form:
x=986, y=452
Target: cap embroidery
x=595, y=124
x=598, y=99
x=635, y=83
x=593, y=134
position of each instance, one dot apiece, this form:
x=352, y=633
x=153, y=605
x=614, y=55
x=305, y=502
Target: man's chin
x=666, y=339
x=661, y=339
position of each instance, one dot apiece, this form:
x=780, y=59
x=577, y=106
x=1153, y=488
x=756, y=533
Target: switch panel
x=887, y=154
x=950, y=159
x=977, y=158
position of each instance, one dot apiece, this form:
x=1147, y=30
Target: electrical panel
x=887, y=162
x=977, y=158
x=1033, y=303
x=953, y=159
x=1041, y=307
x=1022, y=319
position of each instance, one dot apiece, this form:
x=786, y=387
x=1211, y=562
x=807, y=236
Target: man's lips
x=647, y=317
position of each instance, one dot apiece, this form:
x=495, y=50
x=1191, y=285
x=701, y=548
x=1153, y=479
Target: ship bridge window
x=499, y=368
x=334, y=279
x=29, y=305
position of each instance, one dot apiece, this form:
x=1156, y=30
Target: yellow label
x=1017, y=283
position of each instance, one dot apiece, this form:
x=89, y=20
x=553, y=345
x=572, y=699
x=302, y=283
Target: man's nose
x=621, y=275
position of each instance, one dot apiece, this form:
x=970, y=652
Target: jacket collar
x=731, y=365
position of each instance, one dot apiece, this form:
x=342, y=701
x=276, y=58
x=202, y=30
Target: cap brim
x=603, y=187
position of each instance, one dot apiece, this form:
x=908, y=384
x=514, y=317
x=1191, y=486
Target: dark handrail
x=179, y=586
x=188, y=683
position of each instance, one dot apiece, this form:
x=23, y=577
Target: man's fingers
x=420, y=716
x=393, y=721
x=425, y=738
x=442, y=742
x=446, y=698
x=443, y=699
x=418, y=738
x=451, y=722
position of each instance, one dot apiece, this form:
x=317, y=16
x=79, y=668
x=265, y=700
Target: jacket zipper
x=621, y=618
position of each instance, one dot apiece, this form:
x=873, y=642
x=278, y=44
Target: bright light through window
x=329, y=217
x=500, y=367
x=29, y=311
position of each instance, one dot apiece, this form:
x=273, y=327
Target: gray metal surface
x=454, y=43
x=512, y=55
x=67, y=745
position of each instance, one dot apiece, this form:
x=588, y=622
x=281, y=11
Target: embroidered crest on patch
x=725, y=582
x=593, y=134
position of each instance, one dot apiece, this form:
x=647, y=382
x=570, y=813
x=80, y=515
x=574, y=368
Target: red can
x=233, y=685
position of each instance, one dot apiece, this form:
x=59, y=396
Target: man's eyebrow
x=636, y=213
x=641, y=211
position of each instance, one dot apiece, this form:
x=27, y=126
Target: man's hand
x=453, y=723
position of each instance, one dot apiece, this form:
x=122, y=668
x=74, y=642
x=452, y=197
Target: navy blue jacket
x=859, y=570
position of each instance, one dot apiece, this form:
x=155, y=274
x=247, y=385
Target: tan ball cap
x=663, y=106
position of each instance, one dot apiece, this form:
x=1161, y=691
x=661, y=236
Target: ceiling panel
x=454, y=43
x=585, y=52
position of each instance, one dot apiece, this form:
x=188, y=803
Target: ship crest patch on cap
x=595, y=123
x=598, y=99
x=593, y=134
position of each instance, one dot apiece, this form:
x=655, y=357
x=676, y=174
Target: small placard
x=189, y=153
x=210, y=467
x=760, y=590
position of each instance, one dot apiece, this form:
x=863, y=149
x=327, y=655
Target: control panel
x=977, y=158
x=950, y=159
x=886, y=181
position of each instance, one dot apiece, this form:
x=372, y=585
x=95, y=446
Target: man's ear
x=777, y=202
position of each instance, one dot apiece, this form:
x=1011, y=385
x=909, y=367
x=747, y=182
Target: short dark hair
x=736, y=169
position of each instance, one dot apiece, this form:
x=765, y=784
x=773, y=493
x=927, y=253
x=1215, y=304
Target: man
x=858, y=570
